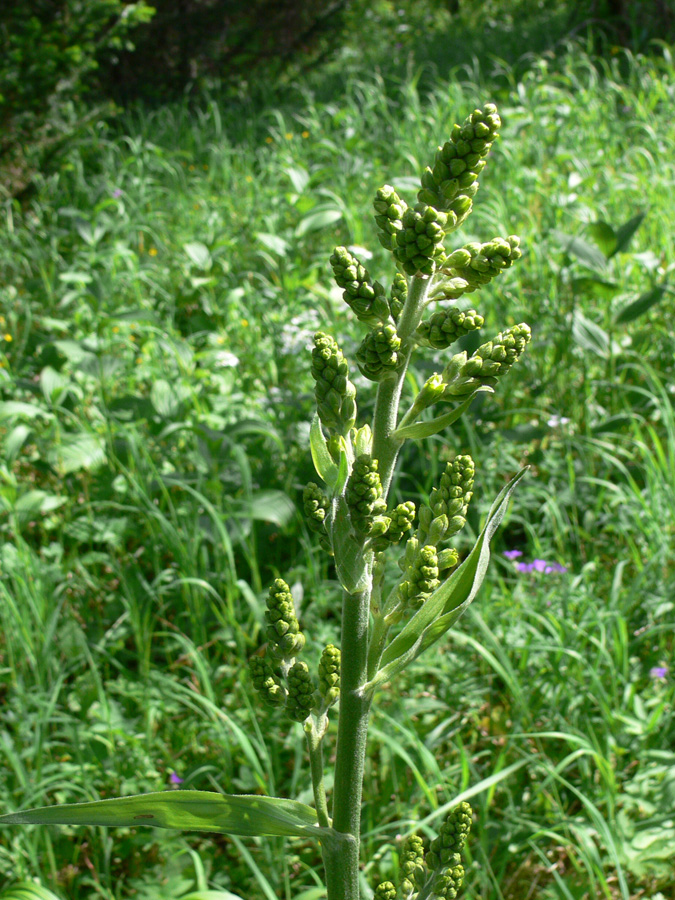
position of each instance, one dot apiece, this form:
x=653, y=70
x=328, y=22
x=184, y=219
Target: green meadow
x=158, y=295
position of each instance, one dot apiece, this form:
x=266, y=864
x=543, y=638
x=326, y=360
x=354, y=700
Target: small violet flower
x=658, y=672
x=175, y=779
x=117, y=192
x=512, y=554
x=540, y=565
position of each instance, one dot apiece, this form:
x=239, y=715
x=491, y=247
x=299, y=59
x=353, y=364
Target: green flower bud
x=412, y=870
x=364, y=494
x=453, y=181
x=367, y=300
x=422, y=578
x=402, y=518
x=398, y=295
x=300, y=698
x=489, y=362
x=448, y=288
x=266, y=682
x=419, y=245
x=385, y=891
x=451, y=838
x=378, y=355
x=283, y=630
x=447, y=559
x=445, y=513
x=316, y=505
x=389, y=210
x=446, y=326
x=335, y=394
x=485, y=262
x=329, y=675
x=447, y=883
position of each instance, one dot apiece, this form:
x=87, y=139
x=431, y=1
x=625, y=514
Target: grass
x=158, y=293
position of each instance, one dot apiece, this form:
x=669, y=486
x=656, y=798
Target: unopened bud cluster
x=446, y=326
x=444, y=856
x=445, y=513
x=335, y=394
x=368, y=300
x=479, y=263
x=463, y=375
x=379, y=353
x=412, y=871
x=364, y=496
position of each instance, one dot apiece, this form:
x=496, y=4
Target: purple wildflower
x=117, y=192
x=524, y=567
x=538, y=565
x=512, y=554
x=554, y=567
x=658, y=672
x=175, y=779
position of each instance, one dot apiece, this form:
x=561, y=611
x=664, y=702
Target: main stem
x=341, y=859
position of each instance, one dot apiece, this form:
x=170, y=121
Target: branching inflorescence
x=387, y=624
x=387, y=620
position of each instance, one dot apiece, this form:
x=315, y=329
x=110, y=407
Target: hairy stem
x=385, y=448
x=315, y=733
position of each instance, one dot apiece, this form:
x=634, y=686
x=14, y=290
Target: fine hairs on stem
x=386, y=622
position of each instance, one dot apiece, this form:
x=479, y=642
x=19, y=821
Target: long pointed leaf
x=425, y=429
x=448, y=602
x=243, y=814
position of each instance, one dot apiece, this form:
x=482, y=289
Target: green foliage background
x=158, y=289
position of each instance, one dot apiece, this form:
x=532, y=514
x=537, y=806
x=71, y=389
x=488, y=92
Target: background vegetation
x=160, y=278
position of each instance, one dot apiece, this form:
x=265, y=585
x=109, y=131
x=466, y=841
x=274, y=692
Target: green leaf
x=12, y=409
x=273, y=242
x=595, y=287
x=425, y=429
x=77, y=451
x=199, y=254
x=271, y=506
x=324, y=463
x=164, y=398
x=28, y=890
x=604, y=236
x=637, y=307
x=242, y=814
x=582, y=250
x=318, y=219
x=626, y=231
x=448, y=602
x=590, y=336
x=299, y=177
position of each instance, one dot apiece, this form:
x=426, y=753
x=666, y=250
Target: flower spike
x=283, y=630
x=446, y=326
x=364, y=495
x=389, y=210
x=367, y=300
x=335, y=394
x=379, y=356
x=490, y=361
x=411, y=866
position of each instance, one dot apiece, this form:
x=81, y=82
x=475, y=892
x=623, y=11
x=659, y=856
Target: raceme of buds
x=402, y=518
x=335, y=394
x=283, y=630
x=489, y=362
x=412, y=870
x=453, y=181
x=385, y=891
x=448, y=503
x=479, y=263
x=422, y=578
x=315, y=504
x=446, y=326
x=398, y=295
x=329, y=675
x=266, y=682
x=389, y=210
x=379, y=353
x=300, y=698
x=367, y=300
x=364, y=495
x=447, y=882
x=419, y=245
x=451, y=838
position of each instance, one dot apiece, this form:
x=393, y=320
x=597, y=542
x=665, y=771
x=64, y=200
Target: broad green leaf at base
x=243, y=814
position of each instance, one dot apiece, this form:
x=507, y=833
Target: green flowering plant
x=386, y=623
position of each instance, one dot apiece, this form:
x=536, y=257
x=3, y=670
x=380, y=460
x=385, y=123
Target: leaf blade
x=248, y=815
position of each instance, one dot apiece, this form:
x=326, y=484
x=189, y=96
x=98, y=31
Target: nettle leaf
x=639, y=306
x=448, y=602
x=589, y=336
x=626, y=231
x=242, y=814
x=604, y=236
x=199, y=255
